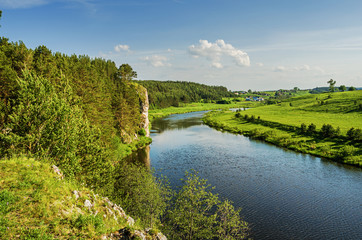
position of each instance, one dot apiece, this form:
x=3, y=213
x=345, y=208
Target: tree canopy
x=172, y=93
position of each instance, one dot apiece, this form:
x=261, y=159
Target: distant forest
x=163, y=94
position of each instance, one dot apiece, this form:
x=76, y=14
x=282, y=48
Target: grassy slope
x=36, y=204
x=339, y=110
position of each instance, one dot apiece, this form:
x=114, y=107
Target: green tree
x=140, y=193
x=342, y=88
x=191, y=216
x=332, y=83
x=125, y=72
x=197, y=213
x=230, y=226
x=351, y=89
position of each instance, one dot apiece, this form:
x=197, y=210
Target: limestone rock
x=88, y=204
x=57, y=171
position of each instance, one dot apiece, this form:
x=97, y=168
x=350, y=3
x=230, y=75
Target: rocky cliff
x=144, y=106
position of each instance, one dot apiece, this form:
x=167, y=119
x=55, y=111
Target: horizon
x=259, y=45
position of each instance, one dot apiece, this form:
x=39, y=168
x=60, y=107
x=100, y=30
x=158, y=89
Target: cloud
x=121, y=47
x=157, y=60
x=302, y=68
x=215, y=51
x=22, y=3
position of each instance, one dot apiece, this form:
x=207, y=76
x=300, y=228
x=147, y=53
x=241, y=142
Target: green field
x=195, y=107
x=280, y=124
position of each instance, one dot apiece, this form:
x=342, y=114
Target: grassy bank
x=313, y=124
x=195, y=107
x=35, y=203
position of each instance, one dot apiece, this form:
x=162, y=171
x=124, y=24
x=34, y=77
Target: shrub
x=312, y=128
x=142, y=132
x=346, y=151
x=354, y=134
x=328, y=131
x=303, y=128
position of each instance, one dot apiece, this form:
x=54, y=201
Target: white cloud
x=215, y=51
x=156, y=60
x=298, y=69
x=21, y=3
x=121, y=47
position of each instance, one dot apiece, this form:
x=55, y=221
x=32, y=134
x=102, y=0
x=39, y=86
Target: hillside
x=164, y=94
x=37, y=203
x=326, y=125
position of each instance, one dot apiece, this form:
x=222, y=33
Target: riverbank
x=196, y=107
x=338, y=149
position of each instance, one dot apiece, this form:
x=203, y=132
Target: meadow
x=195, y=107
x=316, y=124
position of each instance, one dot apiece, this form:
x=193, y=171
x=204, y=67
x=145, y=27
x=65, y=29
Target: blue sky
x=240, y=44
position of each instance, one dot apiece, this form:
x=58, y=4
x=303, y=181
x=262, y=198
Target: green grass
x=195, y=107
x=36, y=204
x=339, y=110
x=280, y=124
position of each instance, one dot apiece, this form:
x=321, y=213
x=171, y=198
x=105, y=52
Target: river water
x=283, y=194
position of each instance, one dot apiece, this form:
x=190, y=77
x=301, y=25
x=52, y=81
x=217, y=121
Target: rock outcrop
x=144, y=106
x=87, y=202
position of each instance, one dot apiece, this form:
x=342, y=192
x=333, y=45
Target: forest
x=164, y=94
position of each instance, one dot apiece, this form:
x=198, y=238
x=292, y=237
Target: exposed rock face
x=144, y=106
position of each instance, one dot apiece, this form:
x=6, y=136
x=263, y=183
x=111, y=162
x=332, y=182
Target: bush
x=142, y=132
x=354, y=134
x=312, y=128
x=346, y=151
x=303, y=128
x=328, y=131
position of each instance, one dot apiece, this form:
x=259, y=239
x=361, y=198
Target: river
x=283, y=194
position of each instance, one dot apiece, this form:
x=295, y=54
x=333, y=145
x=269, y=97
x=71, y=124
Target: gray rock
x=76, y=194
x=57, y=171
x=140, y=234
x=88, y=204
x=160, y=236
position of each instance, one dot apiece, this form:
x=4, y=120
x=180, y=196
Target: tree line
x=164, y=94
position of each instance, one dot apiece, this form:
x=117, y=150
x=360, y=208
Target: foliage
x=328, y=131
x=140, y=193
x=342, y=88
x=230, y=226
x=354, y=134
x=197, y=213
x=331, y=85
x=164, y=94
x=104, y=92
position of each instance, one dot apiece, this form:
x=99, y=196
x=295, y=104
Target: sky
x=240, y=44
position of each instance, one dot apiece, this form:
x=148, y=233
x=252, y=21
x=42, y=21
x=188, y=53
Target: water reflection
x=141, y=156
x=177, y=121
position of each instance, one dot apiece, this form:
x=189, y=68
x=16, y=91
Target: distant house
x=257, y=99
x=247, y=99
